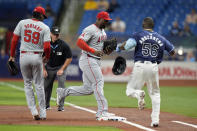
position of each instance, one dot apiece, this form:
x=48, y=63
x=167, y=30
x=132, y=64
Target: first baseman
x=35, y=39
x=91, y=42
x=149, y=49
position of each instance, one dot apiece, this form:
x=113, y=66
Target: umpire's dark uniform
x=60, y=52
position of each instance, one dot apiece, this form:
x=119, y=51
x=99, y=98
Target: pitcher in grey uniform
x=60, y=58
x=35, y=39
x=91, y=42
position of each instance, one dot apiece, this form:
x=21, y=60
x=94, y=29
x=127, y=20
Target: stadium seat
x=164, y=12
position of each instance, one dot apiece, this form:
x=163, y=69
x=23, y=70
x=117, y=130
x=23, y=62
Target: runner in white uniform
x=91, y=42
x=149, y=50
x=35, y=36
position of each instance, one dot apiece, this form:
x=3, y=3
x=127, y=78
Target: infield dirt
x=20, y=115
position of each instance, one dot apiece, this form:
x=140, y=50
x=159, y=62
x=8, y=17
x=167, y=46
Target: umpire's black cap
x=55, y=30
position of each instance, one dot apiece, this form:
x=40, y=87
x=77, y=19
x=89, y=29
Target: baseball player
x=149, y=49
x=60, y=58
x=35, y=39
x=91, y=42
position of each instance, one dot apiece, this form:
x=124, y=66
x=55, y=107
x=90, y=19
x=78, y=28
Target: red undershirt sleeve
x=14, y=43
x=47, y=49
x=84, y=46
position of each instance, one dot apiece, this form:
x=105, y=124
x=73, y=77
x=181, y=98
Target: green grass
x=9, y=96
x=52, y=128
x=178, y=100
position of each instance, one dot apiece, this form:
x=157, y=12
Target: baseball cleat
x=154, y=124
x=36, y=117
x=48, y=108
x=60, y=108
x=141, y=102
x=105, y=114
x=43, y=114
x=43, y=118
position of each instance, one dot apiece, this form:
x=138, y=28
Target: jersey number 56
x=150, y=49
x=30, y=36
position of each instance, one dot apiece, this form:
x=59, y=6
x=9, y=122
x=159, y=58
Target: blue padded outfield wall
x=73, y=71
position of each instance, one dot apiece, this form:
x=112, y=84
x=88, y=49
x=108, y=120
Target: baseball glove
x=119, y=66
x=12, y=68
x=109, y=46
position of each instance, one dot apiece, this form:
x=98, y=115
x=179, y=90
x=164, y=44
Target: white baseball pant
x=146, y=72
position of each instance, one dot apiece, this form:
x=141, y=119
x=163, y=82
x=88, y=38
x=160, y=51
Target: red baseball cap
x=103, y=15
x=40, y=10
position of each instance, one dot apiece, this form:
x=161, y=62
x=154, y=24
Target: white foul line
x=11, y=85
x=192, y=125
x=77, y=107
x=81, y=108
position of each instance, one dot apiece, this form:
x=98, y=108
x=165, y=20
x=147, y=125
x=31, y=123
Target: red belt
x=31, y=52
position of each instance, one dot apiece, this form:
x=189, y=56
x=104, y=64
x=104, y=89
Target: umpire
x=60, y=58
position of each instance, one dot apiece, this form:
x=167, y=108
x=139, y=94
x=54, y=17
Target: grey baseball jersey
x=94, y=37
x=33, y=33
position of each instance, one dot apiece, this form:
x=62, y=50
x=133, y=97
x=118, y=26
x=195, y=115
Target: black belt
x=154, y=62
x=93, y=57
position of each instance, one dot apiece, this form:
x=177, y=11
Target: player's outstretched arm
x=129, y=44
x=120, y=47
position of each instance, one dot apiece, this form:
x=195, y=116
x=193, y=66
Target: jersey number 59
x=30, y=36
x=150, y=49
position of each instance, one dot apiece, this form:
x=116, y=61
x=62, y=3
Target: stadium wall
x=170, y=73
